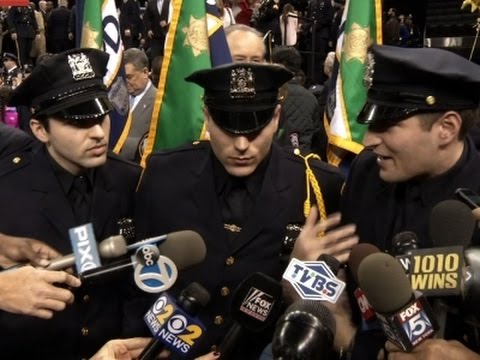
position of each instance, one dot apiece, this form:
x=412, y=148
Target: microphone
x=407, y=320
x=174, y=324
x=116, y=246
x=179, y=251
x=256, y=304
x=305, y=331
x=358, y=253
x=84, y=247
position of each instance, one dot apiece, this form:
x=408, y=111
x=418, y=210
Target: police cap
x=68, y=85
x=405, y=81
x=9, y=56
x=241, y=97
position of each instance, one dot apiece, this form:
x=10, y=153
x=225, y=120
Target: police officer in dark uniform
x=13, y=141
x=421, y=104
x=23, y=29
x=69, y=181
x=241, y=193
x=10, y=68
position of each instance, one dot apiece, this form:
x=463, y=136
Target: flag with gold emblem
x=101, y=30
x=360, y=27
x=195, y=41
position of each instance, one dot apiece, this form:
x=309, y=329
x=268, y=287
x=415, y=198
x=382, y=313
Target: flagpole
x=477, y=28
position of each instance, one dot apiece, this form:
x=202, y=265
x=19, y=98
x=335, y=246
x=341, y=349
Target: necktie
x=235, y=203
x=80, y=200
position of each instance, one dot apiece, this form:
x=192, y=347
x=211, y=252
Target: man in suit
x=241, y=193
x=155, y=20
x=142, y=98
x=58, y=28
x=68, y=181
x=130, y=23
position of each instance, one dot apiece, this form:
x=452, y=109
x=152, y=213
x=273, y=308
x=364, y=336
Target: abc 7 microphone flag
x=313, y=280
x=153, y=272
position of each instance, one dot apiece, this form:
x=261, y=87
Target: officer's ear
x=40, y=130
x=276, y=116
x=449, y=126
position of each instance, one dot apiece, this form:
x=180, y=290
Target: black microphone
x=305, y=331
x=183, y=248
x=256, y=304
x=174, y=324
x=358, y=253
x=407, y=320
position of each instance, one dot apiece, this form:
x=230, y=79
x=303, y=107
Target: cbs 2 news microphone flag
x=195, y=41
x=361, y=26
x=98, y=27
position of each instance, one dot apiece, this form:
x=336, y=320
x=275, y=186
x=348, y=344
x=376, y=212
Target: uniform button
x=86, y=299
x=225, y=291
x=230, y=260
x=218, y=320
x=84, y=331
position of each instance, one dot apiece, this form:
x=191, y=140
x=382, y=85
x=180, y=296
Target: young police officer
x=421, y=104
x=69, y=181
x=241, y=193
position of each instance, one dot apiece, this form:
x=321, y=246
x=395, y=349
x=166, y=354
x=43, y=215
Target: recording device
x=407, y=319
x=358, y=253
x=84, y=247
x=116, y=246
x=181, y=249
x=256, y=304
x=305, y=331
x=314, y=280
x=468, y=197
x=174, y=324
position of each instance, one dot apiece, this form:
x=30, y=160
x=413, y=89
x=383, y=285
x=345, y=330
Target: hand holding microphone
x=432, y=349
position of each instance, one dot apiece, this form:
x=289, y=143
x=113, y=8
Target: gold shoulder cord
x=312, y=181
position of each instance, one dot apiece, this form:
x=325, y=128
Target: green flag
x=92, y=31
x=361, y=26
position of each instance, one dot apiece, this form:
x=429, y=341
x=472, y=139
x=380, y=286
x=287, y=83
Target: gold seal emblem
x=196, y=35
x=90, y=37
x=357, y=42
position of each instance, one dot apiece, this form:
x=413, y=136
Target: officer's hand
x=30, y=291
x=433, y=349
x=14, y=36
x=20, y=249
x=336, y=241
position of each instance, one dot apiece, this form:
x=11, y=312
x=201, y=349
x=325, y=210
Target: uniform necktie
x=80, y=199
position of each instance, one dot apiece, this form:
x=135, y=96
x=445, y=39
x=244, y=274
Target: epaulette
x=114, y=157
x=14, y=162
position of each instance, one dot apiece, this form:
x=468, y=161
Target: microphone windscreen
x=305, y=331
x=331, y=262
x=358, y=253
x=193, y=298
x=384, y=282
x=113, y=247
x=257, y=302
x=403, y=242
x=185, y=248
x=451, y=223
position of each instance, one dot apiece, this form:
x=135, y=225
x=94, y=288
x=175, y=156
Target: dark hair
x=288, y=57
x=469, y=118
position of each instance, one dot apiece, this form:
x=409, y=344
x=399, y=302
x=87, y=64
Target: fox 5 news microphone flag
x=360, y=27
x=100, y=29
x=195, y=41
